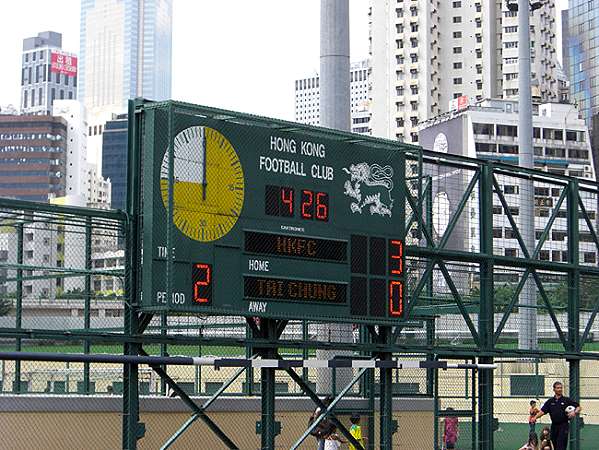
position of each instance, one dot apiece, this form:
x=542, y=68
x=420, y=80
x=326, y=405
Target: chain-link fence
x=478, y=290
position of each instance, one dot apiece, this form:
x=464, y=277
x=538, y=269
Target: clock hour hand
x=204, y=153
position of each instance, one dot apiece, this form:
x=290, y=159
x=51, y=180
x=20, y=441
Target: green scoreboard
x=261, y=219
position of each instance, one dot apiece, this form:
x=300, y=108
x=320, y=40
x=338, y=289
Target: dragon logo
x=370, y=185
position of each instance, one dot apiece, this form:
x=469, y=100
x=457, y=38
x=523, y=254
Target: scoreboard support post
x=270, y=330
x=387, y=425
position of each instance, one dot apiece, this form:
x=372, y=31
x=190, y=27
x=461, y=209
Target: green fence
x=69, y=283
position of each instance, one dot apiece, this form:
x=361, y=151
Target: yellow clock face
x=208, y=187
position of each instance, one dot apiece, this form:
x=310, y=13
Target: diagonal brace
x=327, y=412
x=197, y=410
x=310, y=393
x=458, y=299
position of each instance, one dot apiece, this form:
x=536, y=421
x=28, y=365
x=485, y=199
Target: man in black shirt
x=556, y=408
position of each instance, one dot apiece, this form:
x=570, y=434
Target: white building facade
x=489, y=131
x=73, y=112
x=307, y=99
x=425, y=53
x=47, y=73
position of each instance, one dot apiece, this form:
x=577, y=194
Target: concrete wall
x=94, y=423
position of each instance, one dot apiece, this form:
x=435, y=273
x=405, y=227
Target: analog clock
x=208, y=184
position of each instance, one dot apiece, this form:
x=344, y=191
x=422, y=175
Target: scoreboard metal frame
x=256, y=217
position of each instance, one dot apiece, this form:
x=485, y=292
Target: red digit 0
x=197, y=287
x=395, y=298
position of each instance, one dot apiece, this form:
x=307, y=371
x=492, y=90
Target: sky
x=233, y=54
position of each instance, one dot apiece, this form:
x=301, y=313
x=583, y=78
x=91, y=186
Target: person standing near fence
x=451, y=431
x=532, y=414
x=560, y=409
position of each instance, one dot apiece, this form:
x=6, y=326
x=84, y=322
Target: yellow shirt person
x=356, y=431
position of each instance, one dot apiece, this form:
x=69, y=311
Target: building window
x=414, y=27
x=24, y=99
x=457, y=19
x=457, y=81
x=511, y=252
x=512, y=44
x=399, y=90
x=590, y=257
x=414, y=57
x=457, y=65
x=497, y=232
x=40, y=96
x=457, y=50
x=414, y=90
x=457, y=4
x=578, y=154
x=62, y=94
x=457, y=34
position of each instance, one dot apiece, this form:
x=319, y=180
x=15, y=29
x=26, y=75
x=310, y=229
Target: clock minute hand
x=204, y=153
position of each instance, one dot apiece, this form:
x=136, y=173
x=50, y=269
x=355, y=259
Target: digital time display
x=281, y=201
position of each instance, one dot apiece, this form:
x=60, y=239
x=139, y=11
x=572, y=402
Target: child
x=356, y=431
x=533, y=442
x=546, y=445
x=532, y=412
x=333, y=441
x=451, y=431
x=545, y=439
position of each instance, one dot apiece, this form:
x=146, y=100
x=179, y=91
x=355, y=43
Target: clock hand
x=204, y=153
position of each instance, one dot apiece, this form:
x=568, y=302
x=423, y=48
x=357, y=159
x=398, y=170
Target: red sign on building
x=61, y=63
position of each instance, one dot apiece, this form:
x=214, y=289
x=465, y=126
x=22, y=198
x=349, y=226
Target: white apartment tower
x=424, y=53
x=307, y=99
x=47, y=73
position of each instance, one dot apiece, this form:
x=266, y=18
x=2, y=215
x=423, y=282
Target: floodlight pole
x=527, y=336
x=334, y=113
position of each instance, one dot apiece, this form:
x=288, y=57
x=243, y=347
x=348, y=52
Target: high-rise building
x=307, y=99
x=582, y=48
x=47, y=73
x=33, y=154
x=426, y=53
x=114, y=161
x=73, y=112
x=125, y=49
x=489, y=131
